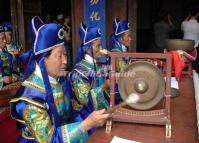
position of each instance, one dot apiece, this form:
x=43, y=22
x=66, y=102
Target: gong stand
x=157, y=116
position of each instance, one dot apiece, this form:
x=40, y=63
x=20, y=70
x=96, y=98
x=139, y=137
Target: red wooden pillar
x=77, y=18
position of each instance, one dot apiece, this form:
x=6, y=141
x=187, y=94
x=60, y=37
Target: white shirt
x=89, y=59
x=191, y=30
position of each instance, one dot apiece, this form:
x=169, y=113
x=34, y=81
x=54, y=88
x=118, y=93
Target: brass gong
x=144, y=79
x=180, y=44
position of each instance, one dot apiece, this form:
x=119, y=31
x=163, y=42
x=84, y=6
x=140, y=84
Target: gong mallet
x=132, y=98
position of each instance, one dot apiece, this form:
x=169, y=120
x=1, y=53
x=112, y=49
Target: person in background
x=43, y=104
x=48, y=18
x=88, y=80
x=60, y=19
x=6, y=66
x=190, y=28
x=161, y=29
x=120, y=41
x=12, y=47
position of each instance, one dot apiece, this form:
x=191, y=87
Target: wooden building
x=140, y=13
x=23, y=10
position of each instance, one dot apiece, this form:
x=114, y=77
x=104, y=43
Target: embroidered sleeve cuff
x=72, y=133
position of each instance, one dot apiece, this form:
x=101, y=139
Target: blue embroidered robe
x=121, y=63
x=16, y=63
x=36, y=120
x=6, y=67
x=87, y=86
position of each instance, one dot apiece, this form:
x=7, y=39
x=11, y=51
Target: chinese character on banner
x=95, y=16
x=92, y=2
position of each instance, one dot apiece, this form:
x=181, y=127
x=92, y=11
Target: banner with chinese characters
x=94, y=15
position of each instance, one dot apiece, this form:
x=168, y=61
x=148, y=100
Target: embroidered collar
x=121, y=47
x=89, y=59
x=38, y=73
x=124, y=49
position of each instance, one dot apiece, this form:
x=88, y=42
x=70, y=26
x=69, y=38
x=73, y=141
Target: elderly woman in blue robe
x=43, y=103
x=11, y=46
x=89, y=80
x=120, y=41
x=7, y=75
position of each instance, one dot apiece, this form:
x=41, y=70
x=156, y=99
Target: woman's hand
x=95, y=119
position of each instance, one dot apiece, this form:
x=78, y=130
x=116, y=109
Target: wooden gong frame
x=154, y=117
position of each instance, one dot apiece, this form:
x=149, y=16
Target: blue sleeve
x=39, y=123
x=83, y=91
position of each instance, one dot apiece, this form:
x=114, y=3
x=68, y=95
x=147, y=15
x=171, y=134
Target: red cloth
x=8, y=130
x=177, y=63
